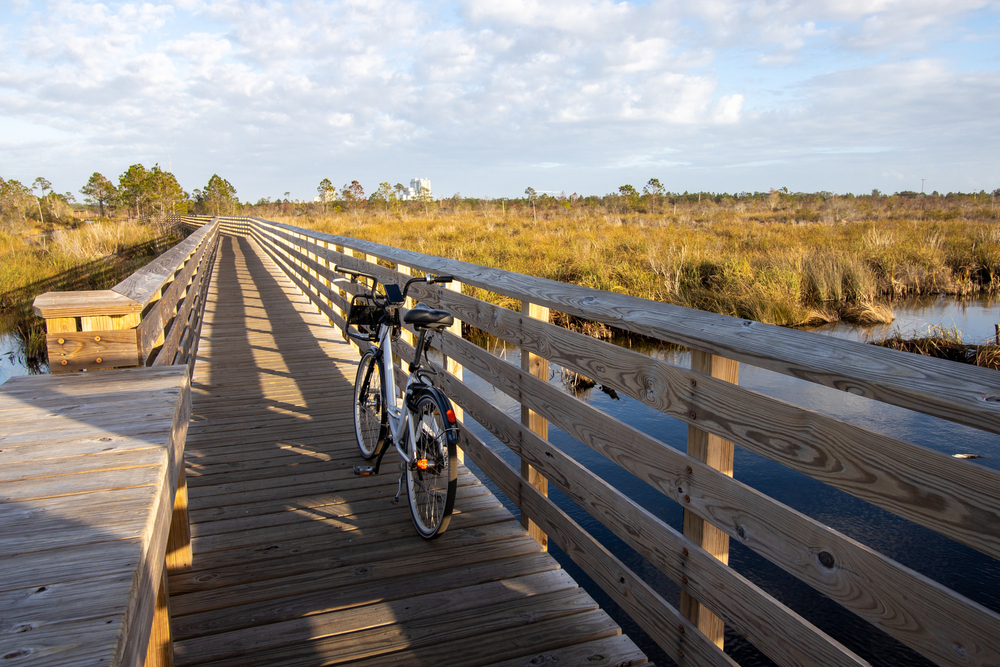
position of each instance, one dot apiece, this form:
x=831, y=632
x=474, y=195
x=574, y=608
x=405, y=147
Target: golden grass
x=722, y=261
x=94, y=256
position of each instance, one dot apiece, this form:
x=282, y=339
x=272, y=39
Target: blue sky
x=488, y=97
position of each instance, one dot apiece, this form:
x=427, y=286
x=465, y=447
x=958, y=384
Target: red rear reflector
x=451, y=416
x=422, y=464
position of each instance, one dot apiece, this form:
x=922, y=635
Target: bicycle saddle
x=423, y=317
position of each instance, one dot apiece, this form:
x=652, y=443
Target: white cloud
x=585, y=83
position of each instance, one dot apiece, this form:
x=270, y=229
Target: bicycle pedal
x=364, y=471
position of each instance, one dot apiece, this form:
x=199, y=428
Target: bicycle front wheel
x=431, y=483
x=370, y=419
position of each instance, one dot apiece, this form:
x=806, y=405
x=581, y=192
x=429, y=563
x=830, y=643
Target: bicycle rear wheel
x=431, y=484
x=370, y=419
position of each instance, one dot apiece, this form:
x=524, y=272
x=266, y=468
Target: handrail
x=949, y=496
x=151, y=318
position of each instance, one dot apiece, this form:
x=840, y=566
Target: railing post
x=539, y=367
x=105, y=338
x=453, y=366
x=717, y=453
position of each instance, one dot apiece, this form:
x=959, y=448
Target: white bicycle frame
x=399, y=419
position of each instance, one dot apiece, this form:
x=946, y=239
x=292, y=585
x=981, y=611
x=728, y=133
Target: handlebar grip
x=351, y=272
x=442, y=279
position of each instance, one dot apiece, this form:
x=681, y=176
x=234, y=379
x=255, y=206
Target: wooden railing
x=950, y=496
x=152, y=318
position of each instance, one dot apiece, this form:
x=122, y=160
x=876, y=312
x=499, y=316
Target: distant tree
x=163, y=191
x=326, y=192
x=629, y=194
x=133, y=189
x=354, y=196
x=219, y=196
x=43, y=185
x=386, y=197
x=654, y=191
x=15, y=199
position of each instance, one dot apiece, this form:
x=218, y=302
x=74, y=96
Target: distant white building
x=415, y=187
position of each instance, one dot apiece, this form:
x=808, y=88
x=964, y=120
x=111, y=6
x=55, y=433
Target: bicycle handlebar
x=429, y=278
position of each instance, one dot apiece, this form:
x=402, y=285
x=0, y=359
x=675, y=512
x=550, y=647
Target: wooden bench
x=93, y=512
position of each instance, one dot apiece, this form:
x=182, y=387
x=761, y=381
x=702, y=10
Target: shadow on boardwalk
x=297, y=562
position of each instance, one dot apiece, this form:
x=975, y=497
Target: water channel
x=966, y=571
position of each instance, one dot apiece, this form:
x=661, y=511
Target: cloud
x=483, y=89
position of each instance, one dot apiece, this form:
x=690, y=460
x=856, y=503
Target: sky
x=488, y=97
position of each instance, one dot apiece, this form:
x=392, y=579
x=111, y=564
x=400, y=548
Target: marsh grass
x=90, y=257
x=746, y=263
x=944, y=343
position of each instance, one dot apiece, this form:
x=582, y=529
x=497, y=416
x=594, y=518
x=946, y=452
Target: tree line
x=139, y=192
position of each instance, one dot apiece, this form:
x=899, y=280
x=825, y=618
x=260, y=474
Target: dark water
x=962, y=569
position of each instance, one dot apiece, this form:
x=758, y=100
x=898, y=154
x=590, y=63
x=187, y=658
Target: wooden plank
x=228, y=610
x=611, y=652
x=93, y=349
x=956, y=392
x=958, y=500
x=83, y=302
x=60, y=324
x=67, y=466
x=160, y=649
x=420, y=628
x=143, y=285
x=779, y=632
x=716, y=453
x=296, y=630
x=230, y=572
x=179, y=554
x=539, y=367
x=664, y=624
x=862, y=580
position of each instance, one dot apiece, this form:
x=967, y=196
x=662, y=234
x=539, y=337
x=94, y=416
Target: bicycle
x=422, y=427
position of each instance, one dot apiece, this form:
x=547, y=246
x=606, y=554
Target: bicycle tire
x=370, y=418
x=431, y=491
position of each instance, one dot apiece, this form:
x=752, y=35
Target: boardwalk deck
x=296, y=562
x=86, y=500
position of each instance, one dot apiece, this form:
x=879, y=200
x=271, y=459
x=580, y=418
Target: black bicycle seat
x=423, y=317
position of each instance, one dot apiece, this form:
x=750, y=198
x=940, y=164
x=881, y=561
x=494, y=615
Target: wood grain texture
x=85, y=525
x=779, y=632
x=926, y=616
x=84, y=302
x=539, y=367
x=662, y=623
x=144, y=284
x=80, y=350
x=924, y=486
x=716, y=453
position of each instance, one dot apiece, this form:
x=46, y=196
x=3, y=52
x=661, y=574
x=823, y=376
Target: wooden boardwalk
x=297, y=562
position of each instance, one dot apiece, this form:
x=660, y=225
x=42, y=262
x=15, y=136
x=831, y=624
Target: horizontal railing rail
x=952, y=497
x=151, y=318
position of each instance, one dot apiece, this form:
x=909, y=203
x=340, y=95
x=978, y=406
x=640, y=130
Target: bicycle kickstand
x=399, y=486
